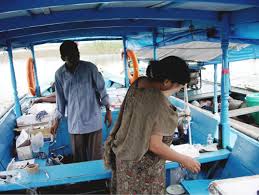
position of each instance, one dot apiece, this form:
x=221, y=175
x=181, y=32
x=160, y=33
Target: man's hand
x=36, y=100
x=54, y=127
x=108, y=117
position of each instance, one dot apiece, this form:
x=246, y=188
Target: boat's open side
x=228, y=30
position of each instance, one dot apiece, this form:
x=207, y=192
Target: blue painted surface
x=125, y=61
x=90, y=24
x=69, y=176
x=30, y=4
x=84, y=171
x=13, y=78
x=224, y=119
x=215, y=98
x=23, y=29
x=243, y=160
x=62, y=139
x=99, y=20
x=197, y=187
x=7, y=125
x=205, y=158
x=106, y=14
x=60, y=174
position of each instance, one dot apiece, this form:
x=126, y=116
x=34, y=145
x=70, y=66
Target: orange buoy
x=131, y=55
x=30, y=77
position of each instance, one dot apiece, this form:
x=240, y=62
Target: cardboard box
x=36, y=129
x=45, y=131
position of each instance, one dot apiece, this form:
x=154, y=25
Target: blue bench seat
x=84, y=171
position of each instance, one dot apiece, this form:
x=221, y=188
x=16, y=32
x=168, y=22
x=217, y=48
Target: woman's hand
x=191, y=164
x=157, y=146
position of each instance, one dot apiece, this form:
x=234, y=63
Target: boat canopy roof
x=169, y=25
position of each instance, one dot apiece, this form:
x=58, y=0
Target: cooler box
x=253, y=100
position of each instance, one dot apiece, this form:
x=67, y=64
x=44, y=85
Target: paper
x=248, y=185
x=30, y=120
x=19, y=164
x=186, y=149
x=206, y=148
x=24, y=152
x=23, y=146
x=22, y=139
x=48, y=107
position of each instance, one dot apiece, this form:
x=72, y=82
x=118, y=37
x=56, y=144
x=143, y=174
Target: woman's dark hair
x=172, y=68
x=68, y=48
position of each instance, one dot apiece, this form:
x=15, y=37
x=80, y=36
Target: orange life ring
x=30, y=77
x=131, y=55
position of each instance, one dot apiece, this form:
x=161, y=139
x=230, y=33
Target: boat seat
x=241, y=162
x=197, y=187
x=85, y=171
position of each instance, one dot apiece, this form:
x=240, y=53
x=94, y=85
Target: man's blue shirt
x=82, y=93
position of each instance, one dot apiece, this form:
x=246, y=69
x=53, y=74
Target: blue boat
x=231, y=27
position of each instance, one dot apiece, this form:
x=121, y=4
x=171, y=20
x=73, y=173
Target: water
x=48, y=61
x=242, y=74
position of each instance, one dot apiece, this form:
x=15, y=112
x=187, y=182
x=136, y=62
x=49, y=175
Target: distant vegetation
x=101, y=47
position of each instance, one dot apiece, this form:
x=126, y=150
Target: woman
x=138, y=145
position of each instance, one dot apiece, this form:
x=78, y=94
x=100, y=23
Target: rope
x=187, y=112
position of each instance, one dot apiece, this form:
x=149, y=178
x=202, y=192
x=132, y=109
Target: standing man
x=81, y=89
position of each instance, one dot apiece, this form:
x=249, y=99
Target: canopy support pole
x=35, y=72
x=155, y=46
x=224, y=128
x=215, y=98
x=125, y=62
x=17, y=104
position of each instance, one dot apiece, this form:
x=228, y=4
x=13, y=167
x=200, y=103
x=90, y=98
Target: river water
x=244, y=73
x=48, y=61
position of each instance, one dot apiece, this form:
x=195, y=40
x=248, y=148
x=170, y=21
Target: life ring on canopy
x=131, y=55
x=30, y=77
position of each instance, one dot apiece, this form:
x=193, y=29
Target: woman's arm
x=157, y=146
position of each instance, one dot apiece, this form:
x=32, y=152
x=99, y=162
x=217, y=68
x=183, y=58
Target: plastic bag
x=37, y=141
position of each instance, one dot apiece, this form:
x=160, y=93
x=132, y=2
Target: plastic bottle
x=209, y=139
x=185, y=123
x=177, y=175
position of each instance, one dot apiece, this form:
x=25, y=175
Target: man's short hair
x=68, y=48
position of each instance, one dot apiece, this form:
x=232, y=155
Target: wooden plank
x=243, y=111
x=84, y=171
x=247, y=129
x=252, y=88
